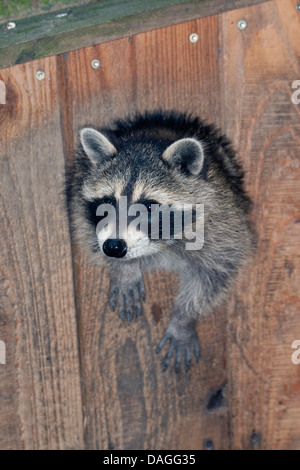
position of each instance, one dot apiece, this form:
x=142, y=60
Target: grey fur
x=139, y=158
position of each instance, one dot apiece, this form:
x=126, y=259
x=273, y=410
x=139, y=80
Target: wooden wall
x=76, y=376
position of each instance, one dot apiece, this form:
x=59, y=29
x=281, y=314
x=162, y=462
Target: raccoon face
x=126, y=190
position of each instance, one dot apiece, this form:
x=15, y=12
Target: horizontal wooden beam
x=25, y=8
x=76, y=27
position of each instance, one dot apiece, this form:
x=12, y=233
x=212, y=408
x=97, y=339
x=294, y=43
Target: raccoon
x=161, y=159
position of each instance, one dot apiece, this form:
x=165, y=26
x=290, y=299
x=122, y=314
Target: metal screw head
x=298, y=7
x=242, y=24
x=255, y=439
x=194, y=37
x=10, y=25
x=61, y=15
x=40, y=75
x=95, y=64
x=208, y=444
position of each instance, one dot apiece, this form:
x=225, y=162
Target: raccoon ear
x=96, y=145
x=187, y=154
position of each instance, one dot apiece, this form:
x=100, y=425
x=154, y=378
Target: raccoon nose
x=115, y=248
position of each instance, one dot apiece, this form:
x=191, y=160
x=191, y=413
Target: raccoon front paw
x=181, y=342
x=128, y=298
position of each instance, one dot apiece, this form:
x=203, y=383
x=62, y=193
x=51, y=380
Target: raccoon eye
x=148, y=204
x=108, y=200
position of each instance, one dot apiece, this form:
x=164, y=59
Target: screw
x=208, y=444
x=298, y=7
x=40, y=75
x=194, y=37
x=10, y=25
x=95, y=64
x=242, y=24
x=255, y=439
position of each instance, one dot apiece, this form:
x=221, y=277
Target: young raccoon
x=171, y=159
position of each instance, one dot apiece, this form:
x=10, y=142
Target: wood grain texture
x=260, y=65
x=40, y=396
x=129, y=403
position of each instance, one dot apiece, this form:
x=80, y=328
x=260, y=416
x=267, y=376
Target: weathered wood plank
x=40, y=396
x=129, y=403
x=76, y=27
x=261, y=64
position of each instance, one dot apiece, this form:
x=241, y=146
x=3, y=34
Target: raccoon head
x=141, y=178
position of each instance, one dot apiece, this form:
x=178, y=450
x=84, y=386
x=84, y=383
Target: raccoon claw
x=177, y=360
x=166, y=359
x=128, y=299
x=187, y=359
x=196, y=348
x=180, y=347
x=142, y=290
x=113, y=299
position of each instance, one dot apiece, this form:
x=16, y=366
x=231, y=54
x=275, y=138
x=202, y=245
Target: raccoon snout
x=115, y=248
